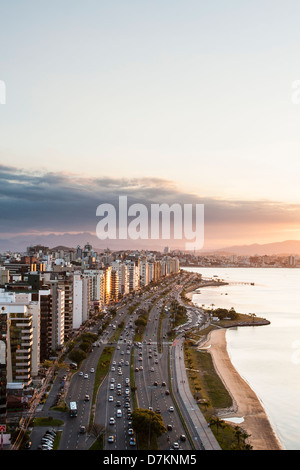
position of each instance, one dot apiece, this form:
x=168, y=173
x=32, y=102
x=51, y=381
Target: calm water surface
x=267, y=357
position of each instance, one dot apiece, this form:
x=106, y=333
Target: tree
x=252, y=315
x=97, y=430
x=214, y=420
x=143, y=420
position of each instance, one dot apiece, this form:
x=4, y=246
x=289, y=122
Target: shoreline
x=246, y=404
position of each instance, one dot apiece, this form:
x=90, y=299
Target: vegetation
x=148, y=426
x=140, y=324
x=46, y=421
x=177, y=314
x=98, y=432
x=78, y=349
x=212, y=396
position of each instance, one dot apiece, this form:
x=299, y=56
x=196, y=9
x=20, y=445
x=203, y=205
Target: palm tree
x=238, y=434
x=217, y=421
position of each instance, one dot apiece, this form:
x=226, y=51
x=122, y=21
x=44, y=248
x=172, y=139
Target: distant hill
x=55, y=242
x=62, y=241
x=288, y=247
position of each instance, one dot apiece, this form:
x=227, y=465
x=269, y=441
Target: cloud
x=32, y=201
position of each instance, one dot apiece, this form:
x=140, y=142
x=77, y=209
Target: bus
x=73, y=408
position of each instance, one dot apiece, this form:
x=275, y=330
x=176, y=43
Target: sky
x=171, y=100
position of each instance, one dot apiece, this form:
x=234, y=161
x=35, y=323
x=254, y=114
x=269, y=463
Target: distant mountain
x=288, y=247
x=19, y=243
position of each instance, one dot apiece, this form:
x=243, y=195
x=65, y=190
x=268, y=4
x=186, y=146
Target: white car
x=110, y=398
x=112, y=421
x=86, y=376
x=171, y=408
x=92, y=369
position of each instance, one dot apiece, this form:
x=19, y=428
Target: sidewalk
x=200, y=432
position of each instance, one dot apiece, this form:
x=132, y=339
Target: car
x=127, y=404
x=82, y=429
x=46, y=447
x=80, y=373
x=155, y=383
x=171, y=408
x=163, y=384
x=167, y=392
x=92, y=369
x=183, y=437
x=113, y=369
x=175, y=445
x=130, y=432
x=152, y=369
x=49, y=437
x=119, y=413
x=47, y=441
x=119, y=386
x=112, y=387
x=86, y=376
x=110, y=398
x=87, y=398
x=112, y=380
x=132, y=441
x=169, y=427
x=111, y=439
x=118, y=403
x=112, y=421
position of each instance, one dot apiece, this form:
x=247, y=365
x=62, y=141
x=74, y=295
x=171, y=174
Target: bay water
x=267, y=357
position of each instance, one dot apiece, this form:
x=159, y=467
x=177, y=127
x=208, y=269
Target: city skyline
x=169, y=102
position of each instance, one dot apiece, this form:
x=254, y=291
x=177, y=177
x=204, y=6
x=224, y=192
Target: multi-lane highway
x=157, y=381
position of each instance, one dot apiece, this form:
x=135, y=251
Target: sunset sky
x=166, y=101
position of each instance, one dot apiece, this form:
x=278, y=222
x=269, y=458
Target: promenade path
x=199, y=429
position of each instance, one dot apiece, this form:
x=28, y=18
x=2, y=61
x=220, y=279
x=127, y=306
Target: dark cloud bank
x=57, y=202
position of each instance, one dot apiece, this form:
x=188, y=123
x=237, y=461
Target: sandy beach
x=245, y=402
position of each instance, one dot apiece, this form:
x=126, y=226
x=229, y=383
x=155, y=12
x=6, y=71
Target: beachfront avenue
x=141, y=374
